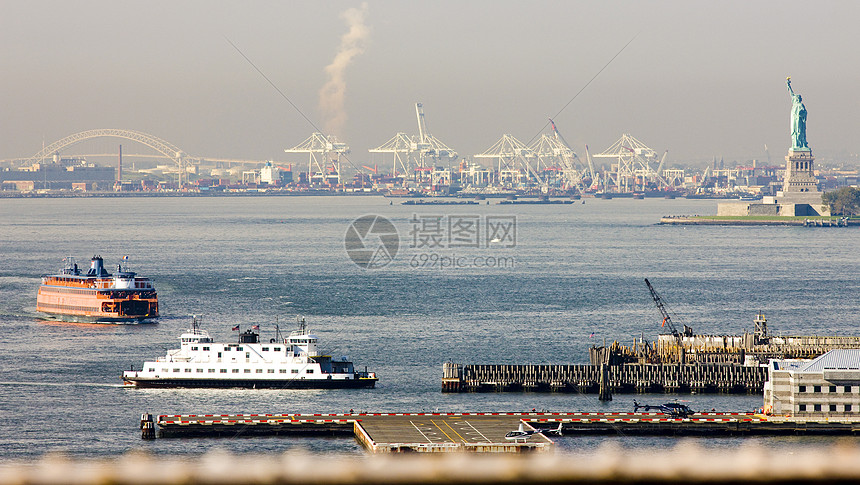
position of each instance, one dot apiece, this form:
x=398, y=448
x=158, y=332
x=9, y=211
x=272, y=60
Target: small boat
x=284, y=363
x=97, y=296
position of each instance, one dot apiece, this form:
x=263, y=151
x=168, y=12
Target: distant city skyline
x=702, y=80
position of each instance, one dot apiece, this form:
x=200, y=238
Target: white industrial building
x=827, y=386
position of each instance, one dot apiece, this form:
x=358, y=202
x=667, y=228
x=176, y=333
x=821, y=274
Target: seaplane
x=523, y=434
x=673, y=409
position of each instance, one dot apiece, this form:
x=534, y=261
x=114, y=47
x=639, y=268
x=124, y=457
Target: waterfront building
x=827, y=386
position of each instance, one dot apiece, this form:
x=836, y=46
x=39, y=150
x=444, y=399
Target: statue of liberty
x=798, y=119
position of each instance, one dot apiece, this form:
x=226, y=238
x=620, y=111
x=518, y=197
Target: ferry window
x=207, y=348
x=310, y=371
x=833, y=408
x=802, y=407
x=193, y=348
x=164, y=371
x=270, y=371
x=265, y=349
x=816, y=389
x=151, y=370
x=284, y=371
x=295, y=371
x=847, y=388
x=175, y=370
x=235, y=371
x=259, y=371
x=247, y=355
x=187, y=370
x=199, y=370
x=219, y=355
x=223, y=371
x=802, y=389
x=847, y=408
x=833, y=389
x=816, y=407
x=247, y=371
x=239, y=349
x=277, y=349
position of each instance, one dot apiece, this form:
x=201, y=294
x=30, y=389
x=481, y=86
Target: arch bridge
x=165, y=148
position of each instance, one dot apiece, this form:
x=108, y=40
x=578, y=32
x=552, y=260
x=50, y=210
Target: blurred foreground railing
x=685, y=463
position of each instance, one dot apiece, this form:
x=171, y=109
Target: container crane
x=595, y=180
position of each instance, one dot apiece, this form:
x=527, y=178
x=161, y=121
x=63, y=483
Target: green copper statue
x=798, y=119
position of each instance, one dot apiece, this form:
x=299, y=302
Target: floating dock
x=485, y=432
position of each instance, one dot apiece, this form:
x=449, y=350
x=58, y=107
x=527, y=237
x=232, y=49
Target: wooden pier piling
x=605, y=392
x=147, y=427
x=605, y=379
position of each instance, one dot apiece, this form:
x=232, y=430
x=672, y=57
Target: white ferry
x=291, y=362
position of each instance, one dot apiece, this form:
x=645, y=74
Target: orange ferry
x=97, y=296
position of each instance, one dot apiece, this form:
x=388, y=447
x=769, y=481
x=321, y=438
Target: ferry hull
x=60, y=317
x=362, y=383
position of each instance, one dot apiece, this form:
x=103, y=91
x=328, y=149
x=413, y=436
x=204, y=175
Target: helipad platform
x=446, y=432
x=485, y=432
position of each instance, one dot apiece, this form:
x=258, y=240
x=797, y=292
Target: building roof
x=788, y=364
x=834, y=359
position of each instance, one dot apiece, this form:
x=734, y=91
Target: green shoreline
x=815, y=221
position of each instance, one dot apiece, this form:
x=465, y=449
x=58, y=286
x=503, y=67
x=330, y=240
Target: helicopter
x=673, y=409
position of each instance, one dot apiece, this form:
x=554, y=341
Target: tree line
x=843, y=202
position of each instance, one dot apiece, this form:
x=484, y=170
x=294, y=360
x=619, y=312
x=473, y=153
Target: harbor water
x=532, y=284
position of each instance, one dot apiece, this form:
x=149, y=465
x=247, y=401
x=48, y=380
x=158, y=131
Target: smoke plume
x=333, y=93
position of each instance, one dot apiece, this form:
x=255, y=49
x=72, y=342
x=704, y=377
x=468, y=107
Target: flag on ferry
x=236, y=328
x=255, y=327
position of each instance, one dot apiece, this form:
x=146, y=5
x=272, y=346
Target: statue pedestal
x=800, y=186
x=799, y=172
x=799, y=195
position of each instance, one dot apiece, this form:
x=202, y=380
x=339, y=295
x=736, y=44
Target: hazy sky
x=701, y=79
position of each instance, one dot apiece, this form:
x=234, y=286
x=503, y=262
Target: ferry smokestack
x=97, y=267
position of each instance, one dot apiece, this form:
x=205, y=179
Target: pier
x=675, y=362
x=585, y=378
x=485, y=432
